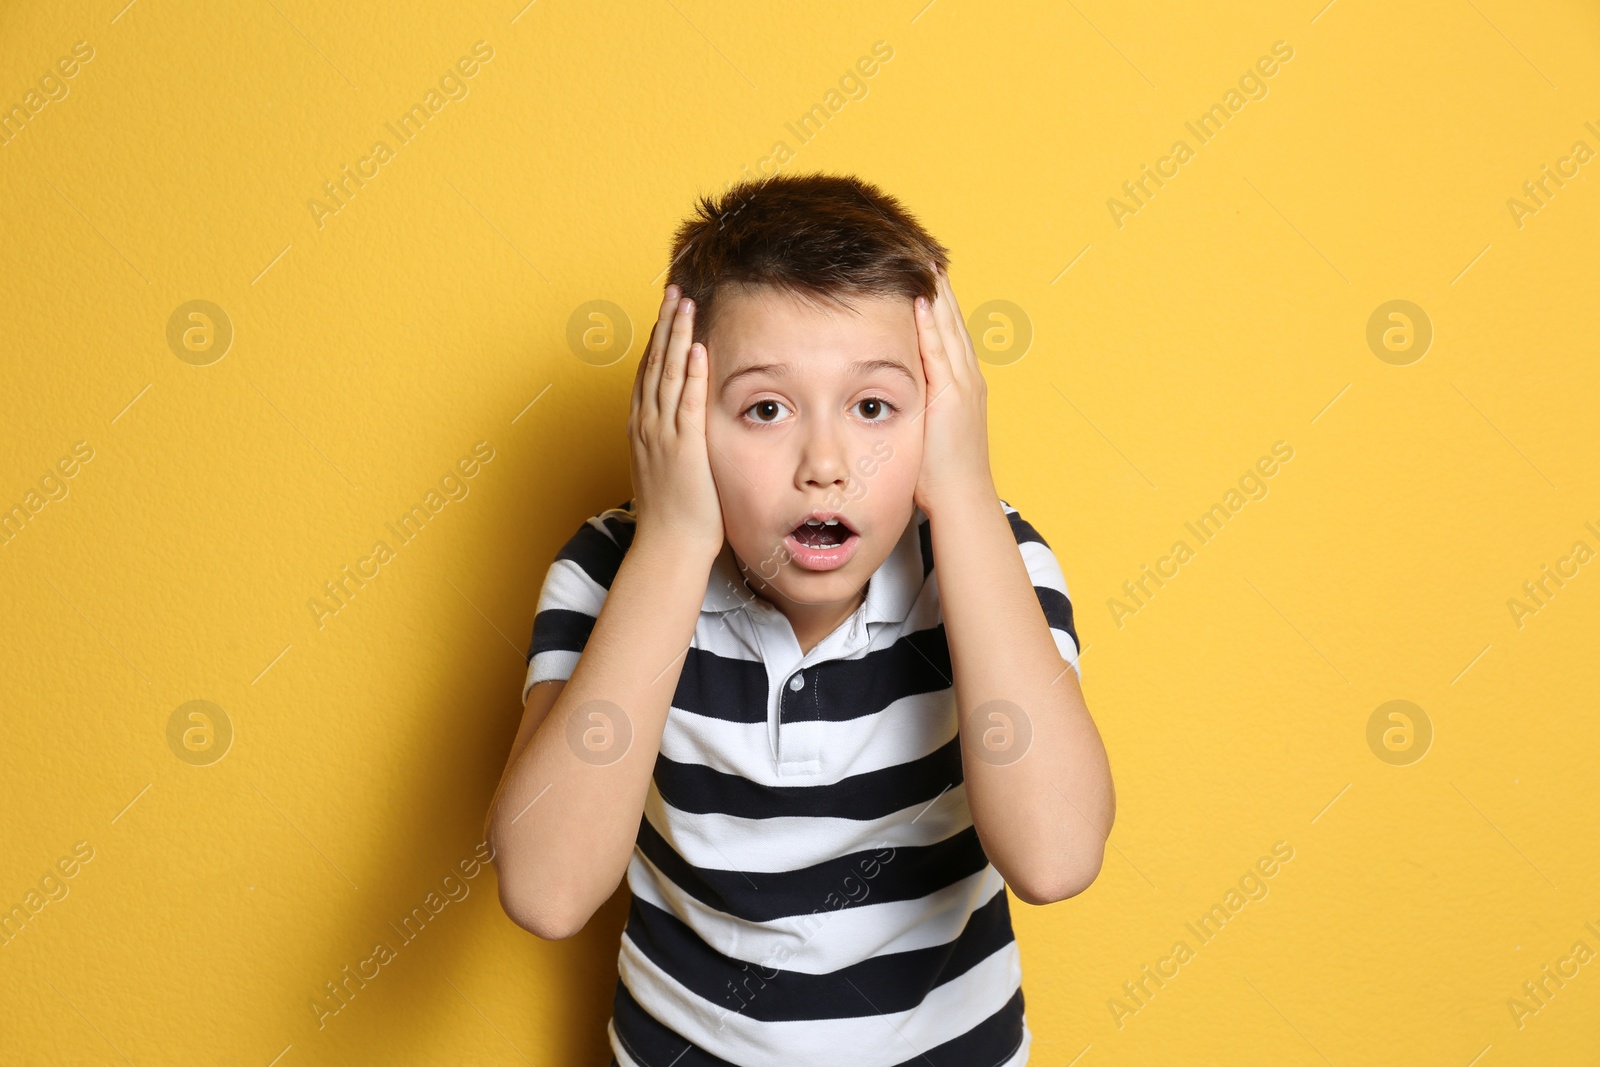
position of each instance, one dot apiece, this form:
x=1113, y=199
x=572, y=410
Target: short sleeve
x=574, y=590
x=1048, y=583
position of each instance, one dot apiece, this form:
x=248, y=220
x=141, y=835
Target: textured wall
x=197, y=481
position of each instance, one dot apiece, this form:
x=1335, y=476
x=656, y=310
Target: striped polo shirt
x=808, y=887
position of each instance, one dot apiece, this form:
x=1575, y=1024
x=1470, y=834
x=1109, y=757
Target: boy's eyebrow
x=860, y=366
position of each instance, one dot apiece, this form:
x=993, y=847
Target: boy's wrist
x=967, y=499
x=665, y=549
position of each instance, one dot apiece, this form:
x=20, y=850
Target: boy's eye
x=875, y=409
x=764, y=410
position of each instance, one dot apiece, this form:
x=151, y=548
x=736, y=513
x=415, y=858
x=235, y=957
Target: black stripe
x=844, y=689
x=596, y=553
x=906, y=872
x=558, y=629
x=1023, y=530
x=1057, y=610
x=1057, y=607
x=925, y=543
x=617, y=524
x=696, y=788
x=735, y=690
x=653, y=1044
x=892, y=982
x=722, y=687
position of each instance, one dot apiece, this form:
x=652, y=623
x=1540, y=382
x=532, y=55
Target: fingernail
x=673, y=291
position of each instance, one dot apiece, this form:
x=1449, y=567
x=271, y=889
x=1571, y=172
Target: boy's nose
x=822, y=459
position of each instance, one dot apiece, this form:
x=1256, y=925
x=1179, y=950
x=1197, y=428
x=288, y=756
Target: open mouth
x=823, y=533
x=822, y=541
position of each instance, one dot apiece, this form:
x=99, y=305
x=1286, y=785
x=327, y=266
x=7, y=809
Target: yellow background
x=371, y=352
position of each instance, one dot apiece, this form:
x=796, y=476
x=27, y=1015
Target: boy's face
x=817, y=434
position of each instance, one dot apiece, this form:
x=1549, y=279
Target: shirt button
x=798, y=682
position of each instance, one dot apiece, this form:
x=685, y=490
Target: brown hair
x=823, y=237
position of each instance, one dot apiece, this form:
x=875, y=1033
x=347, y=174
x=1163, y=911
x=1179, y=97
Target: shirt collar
x=891, y=591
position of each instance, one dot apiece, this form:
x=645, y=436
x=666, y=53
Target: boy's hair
x=822, y=237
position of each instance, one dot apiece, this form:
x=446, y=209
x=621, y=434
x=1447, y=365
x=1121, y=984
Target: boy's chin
x=797, y=584
x=811, y=590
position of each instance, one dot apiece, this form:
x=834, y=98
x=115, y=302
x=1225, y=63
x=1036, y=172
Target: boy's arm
x=566, y=814
x=1037, y=778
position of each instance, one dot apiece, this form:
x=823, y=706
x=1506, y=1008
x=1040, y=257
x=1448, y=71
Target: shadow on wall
x=552, y=1000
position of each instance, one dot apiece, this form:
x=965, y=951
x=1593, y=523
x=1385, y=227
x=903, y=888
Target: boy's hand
x=955, y=434
x=674, y=494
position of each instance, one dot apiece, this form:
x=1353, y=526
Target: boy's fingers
x=949, y=329
x=692, y=405
x=936, y=364
x=637, y=398
x=650, y=362
x=633, y=397
x=961, y=322
x=677, y=356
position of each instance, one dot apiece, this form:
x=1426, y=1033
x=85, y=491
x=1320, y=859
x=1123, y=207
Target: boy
x=814, y=688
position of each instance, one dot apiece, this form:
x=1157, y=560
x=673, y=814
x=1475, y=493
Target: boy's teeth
x=823, y=533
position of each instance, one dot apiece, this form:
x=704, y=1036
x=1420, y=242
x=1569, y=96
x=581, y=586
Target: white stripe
x=714, y=840
x=617, y=1050
x=568, y=585
x=1043, y=567
x=1068, y=649
x=905, y=730
x=830, y=938
x=549, y=666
